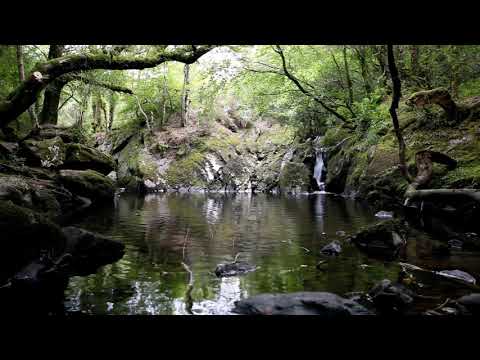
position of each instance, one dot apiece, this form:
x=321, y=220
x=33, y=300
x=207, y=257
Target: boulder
x=48, y=131
x=88, y=251
x=233, y=269
x=25, y=235
x=88, y=183
x=81, y=157
x=302, y=303
x=471, y=302
x=44, y=196
x=384, y=239
x=48, y=153
x=332, y=249
x=390, y=298
x=457, y=275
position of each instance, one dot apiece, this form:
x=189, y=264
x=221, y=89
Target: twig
x=236, y=257
x=442, y=305
x=185, y=244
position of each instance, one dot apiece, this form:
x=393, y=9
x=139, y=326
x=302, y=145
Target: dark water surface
x=281, y=235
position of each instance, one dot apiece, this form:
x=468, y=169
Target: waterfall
x=318, y=172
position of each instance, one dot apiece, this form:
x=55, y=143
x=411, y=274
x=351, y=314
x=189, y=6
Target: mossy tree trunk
x=53, y=91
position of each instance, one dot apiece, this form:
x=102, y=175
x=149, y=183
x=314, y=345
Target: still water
x=282, y=236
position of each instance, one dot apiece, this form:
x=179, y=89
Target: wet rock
x=457, y=275
x=88, y=183
x=455, y=244
x=390, y=298
x=49, y=153
x=384, y=214
x=341, y=233
x=81, y=157
x=25, y=235
x=471, y=302
x=471, y=241
x=332, y=249
x=7, y=149
x=233, y=269
x=384, y=239
x=89, y=251
x=112, y=175
x=302, y=303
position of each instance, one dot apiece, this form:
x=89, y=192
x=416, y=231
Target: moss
x=463, y=177
x=295, y=175
x=83, y=157
x=88, y=183
x=185, y=172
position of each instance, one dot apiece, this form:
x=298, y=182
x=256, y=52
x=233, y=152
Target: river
x=281, y=235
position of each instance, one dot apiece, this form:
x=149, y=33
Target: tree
x=424, y=159
x=20, y=99
x=185, y=90
x=21, y=75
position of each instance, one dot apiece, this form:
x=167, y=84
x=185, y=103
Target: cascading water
x=318, y=172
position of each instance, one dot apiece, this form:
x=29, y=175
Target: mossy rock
x=384, y=239
x=88, y=183
x=25, y=235
x=81, y=157
x=295, y=175
x=48, y=153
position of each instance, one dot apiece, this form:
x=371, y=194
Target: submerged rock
x=384, y=239
x=235, y=268
x=302, y=303
x=332, y=249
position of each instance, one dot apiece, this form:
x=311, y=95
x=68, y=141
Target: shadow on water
x=281, y=235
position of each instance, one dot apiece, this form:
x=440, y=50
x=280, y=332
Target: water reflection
x=281, y=235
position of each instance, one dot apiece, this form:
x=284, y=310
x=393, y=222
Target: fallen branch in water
x=289, y=242
x=188, y=293
x=185, y=244
x=442, y=305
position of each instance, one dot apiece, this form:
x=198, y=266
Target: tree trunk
x=53, y=91
x=185, y=90
x=164, y=95
x=21, y=76
x=361, y=55
x=347, y=74
x=397, y=94
x=111, y=112
x=20, y=99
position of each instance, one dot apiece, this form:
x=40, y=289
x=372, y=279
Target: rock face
x=81, y=157
x=233, y=269
x=384, y=239
x=302, y=303
x=88, y=183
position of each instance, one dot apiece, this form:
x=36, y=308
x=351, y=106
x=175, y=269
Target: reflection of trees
x=268, y=232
